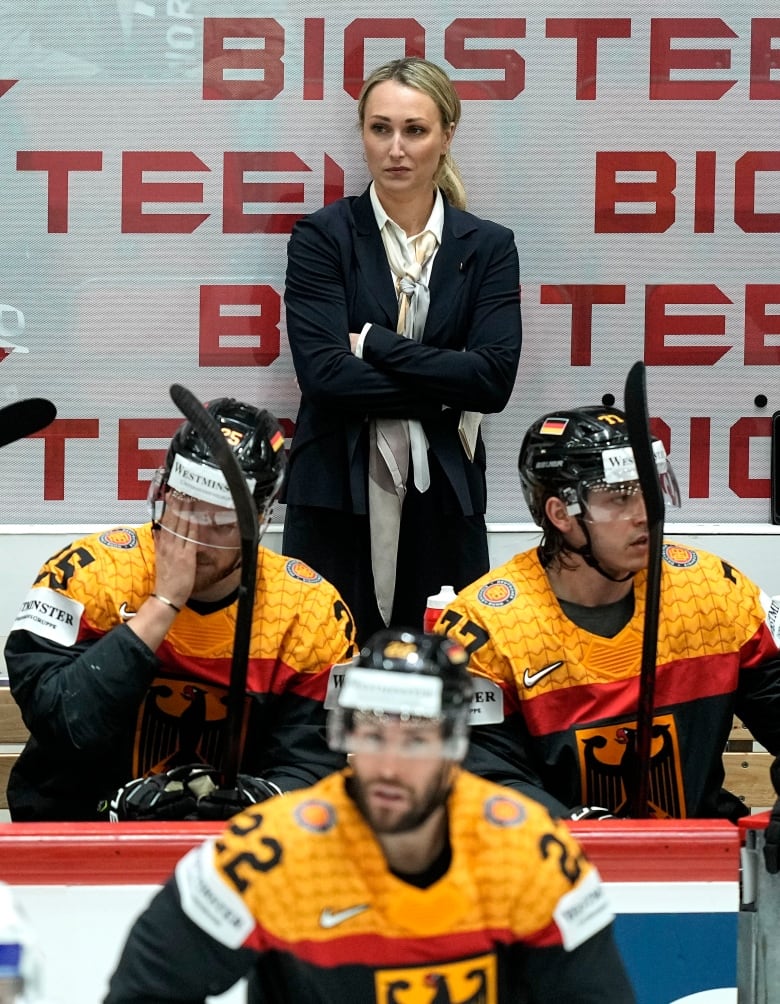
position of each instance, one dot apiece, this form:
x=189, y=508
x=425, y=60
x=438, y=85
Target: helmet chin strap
x=587, y=555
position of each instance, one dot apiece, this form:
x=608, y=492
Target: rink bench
x=13, y=735
x=747, y=769
x=747, y=776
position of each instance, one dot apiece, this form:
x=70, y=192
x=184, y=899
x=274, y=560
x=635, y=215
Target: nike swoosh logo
x=332, y=918
x=530, y=679
x=126, y=614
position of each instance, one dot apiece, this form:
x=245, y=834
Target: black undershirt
x=205, y=607
x=606, y=620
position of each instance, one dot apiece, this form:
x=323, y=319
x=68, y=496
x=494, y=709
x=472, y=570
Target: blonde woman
x=403, y=315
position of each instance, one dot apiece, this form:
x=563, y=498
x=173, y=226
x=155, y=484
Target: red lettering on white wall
x=58, y=164
x=140, y=189
x=362, y=29
x=588, y=31
x=741, y=435
x=461, y=54
x=618, y=193
x=661, y=325
x=664, y=59
x=142, y=444
x=764, y=59
x=134, y=458
x=760, y=322
x=583, y=298
x=612, y=193
x=239, y=325
x=242, y=58
x=55, y=436
x=237, y=192
x=746, y=170
x=136, y=191
x=699, y=458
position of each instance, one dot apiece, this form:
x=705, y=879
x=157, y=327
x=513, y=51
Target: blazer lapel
x=371, y=261
x=458, y=246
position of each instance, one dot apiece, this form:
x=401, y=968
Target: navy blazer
x=338, y=279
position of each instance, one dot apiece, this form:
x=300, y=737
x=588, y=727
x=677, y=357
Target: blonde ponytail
x=449, y=180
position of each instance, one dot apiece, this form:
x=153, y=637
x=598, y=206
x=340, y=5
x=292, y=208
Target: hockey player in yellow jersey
x=557, y=633
x=121, y=653
x=400, y=879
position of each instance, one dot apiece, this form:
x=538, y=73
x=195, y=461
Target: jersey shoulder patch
x=302, y=572
x=497, y=593
x=583, y=912
x=504, y=811
x=50, y=615
x=122, y=537
x=679, y=556
x=208, y=900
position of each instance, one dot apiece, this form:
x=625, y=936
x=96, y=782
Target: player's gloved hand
x=772, y=834
x=172, y=795
x=222, y=803
x=590, y=812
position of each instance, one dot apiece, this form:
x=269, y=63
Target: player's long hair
x=553, y=548
x=429, y=78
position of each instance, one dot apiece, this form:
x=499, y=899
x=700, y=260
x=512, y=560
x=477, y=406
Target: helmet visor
x=394, y=735
x=617, y=493
x=603, y=503
x=189, y=519
x=200, y=522
x=399, y=713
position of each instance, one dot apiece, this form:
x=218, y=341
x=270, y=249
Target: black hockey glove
x=772, y=834
x=589, y=812
x=222, y=803
x=172, y=795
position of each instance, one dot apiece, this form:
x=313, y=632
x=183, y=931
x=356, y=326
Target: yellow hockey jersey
x=298, y=892
x=102, y=708
x=570, y=697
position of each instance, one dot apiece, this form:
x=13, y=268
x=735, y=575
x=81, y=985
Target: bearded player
x=399, y=878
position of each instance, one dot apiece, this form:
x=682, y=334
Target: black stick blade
x=23, y=418
x=638, y=422
x=246, y=514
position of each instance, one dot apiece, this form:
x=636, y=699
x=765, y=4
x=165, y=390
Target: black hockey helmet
x=257, y=442
x=415, y=676
x=566, y=453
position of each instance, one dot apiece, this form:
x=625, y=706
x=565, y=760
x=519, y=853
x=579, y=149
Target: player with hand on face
x=557, y=630
x=401, y=876
x=121, y=653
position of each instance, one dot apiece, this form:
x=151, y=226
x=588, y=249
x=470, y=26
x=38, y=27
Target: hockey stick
x=23, y=418
x=638, y=421
x=246, y=514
